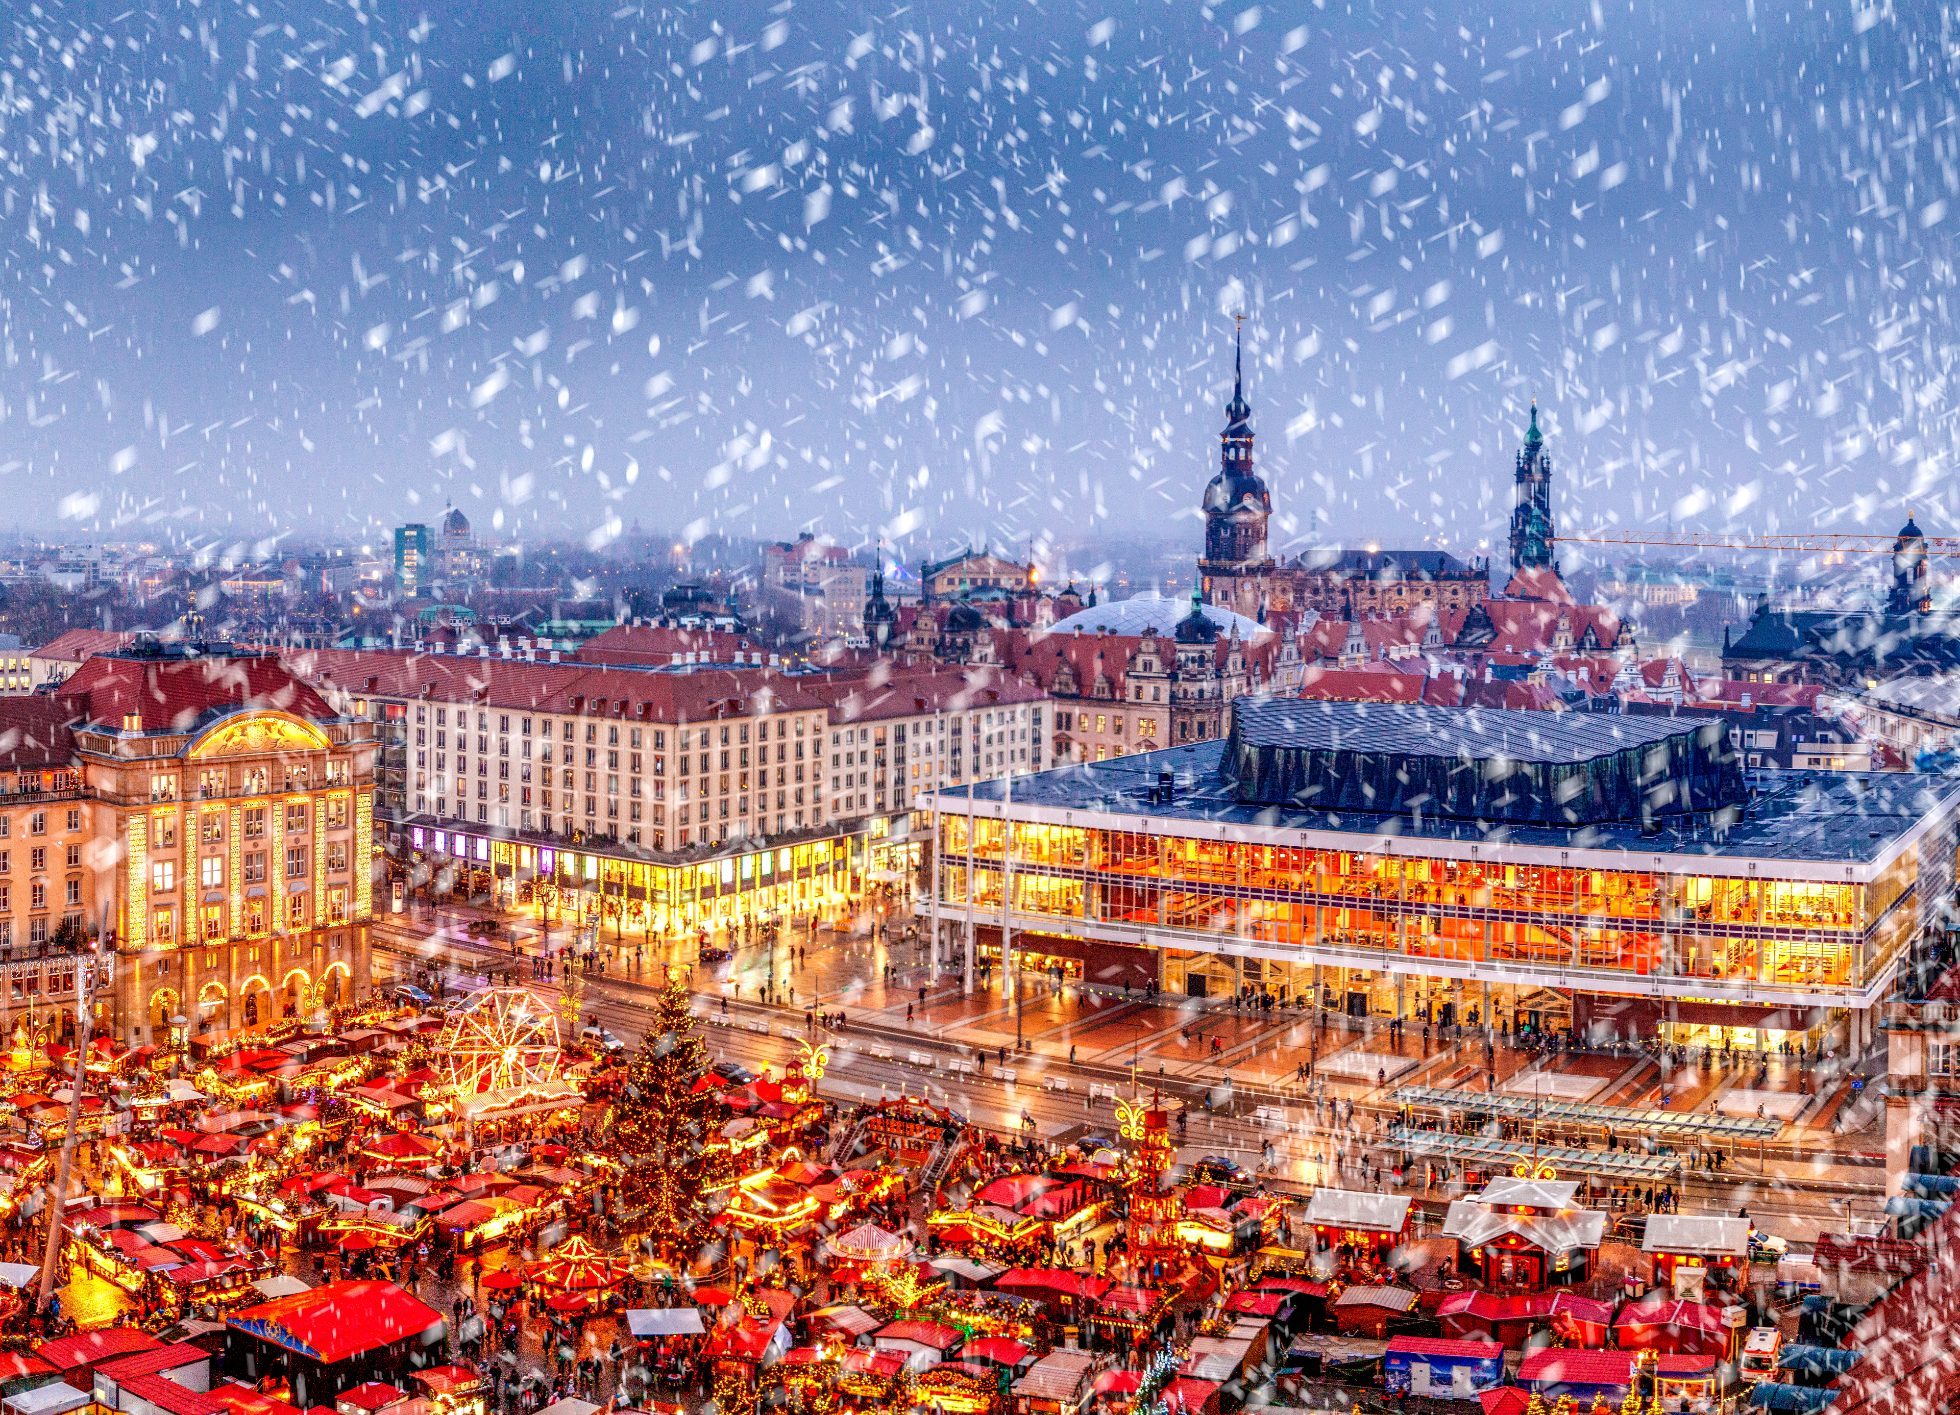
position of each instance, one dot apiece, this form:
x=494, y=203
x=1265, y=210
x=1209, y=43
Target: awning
x=665, y=1321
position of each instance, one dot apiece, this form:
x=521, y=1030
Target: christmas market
x=298, y=1189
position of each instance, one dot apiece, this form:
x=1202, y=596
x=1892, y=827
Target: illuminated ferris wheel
x=500, y=1039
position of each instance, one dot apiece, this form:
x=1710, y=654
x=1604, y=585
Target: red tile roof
x=90, y=1348
x=175, y=694
x=660, y=644
x=887, y=692
x=1563, y=1366
x=79, y=644
x=35, y=733
x=590, y=690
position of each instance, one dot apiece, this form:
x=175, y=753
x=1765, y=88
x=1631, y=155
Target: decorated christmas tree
x=663, y=1126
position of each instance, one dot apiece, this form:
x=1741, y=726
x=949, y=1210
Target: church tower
x=1237, y=506
x=1531, y=519
x=880, y=618
x=1911, y=592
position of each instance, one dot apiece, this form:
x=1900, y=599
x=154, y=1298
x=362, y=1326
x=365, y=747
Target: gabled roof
x=592, y=690
x=36, y=733
x=660, y=644
x=91, y=1348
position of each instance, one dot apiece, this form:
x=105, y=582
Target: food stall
x=1685, y=1248
x=1369, y=1222
x=1523, y=1234
x=1060, y=1383
x=1512, y=1318
x=1441, y=1368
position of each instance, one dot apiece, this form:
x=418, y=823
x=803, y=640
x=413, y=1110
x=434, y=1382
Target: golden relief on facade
x=257, y=734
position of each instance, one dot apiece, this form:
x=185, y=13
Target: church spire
x=1238, y=412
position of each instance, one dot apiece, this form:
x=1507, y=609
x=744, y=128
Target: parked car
x=599, y=1037
x=411, y=995
x=733, y=1072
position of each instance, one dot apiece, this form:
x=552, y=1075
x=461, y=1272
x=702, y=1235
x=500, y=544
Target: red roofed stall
x=333, y=1338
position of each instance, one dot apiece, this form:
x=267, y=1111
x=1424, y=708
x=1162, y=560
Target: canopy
x=576, y=1266
x=868, y=1243
x=664, y=1321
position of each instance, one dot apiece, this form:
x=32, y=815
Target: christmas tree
x=663, y=1126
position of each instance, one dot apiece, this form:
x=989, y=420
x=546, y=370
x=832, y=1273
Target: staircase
x=941, y=1162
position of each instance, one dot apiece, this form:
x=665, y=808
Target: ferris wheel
x=499, y=1039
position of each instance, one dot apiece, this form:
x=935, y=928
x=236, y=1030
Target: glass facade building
x=1777, y=915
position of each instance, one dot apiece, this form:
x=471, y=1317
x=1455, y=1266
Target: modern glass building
x=1621, y=876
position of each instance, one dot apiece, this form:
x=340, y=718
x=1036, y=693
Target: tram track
x=754, y=1034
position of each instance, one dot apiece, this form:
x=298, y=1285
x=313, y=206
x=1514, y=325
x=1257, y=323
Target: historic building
x=1851, y=648
x=215, y=812
x=1531, y=518
x=1238, y=571
x=962, y=576
x=668, y=800
x=1137, y=674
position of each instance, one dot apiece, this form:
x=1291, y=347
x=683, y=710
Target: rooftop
x=1410, y=730
x=1799, y=817
x=1496, y=764
x=1154, y=613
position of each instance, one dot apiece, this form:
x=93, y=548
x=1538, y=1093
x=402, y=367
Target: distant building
x=414, y=560
x=818, y=581
x=459, y=562
x=61, y=656
x=1237, y=570
x=960, y=576
x=1853, y=647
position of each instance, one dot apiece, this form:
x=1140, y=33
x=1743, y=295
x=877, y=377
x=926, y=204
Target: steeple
x=1238, y=412
x=1236, y=504
x=880, y=618
x=1532, y=531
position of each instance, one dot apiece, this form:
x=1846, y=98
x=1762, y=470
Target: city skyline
x=743, y=274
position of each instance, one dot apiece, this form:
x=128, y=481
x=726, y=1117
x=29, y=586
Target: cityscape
x=977, y=711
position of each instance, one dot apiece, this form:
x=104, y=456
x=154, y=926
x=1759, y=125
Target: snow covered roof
x=1153, y=613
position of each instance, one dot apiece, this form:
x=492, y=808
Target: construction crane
x=1798, y=543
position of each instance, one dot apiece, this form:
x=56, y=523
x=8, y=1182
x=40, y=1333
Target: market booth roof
x=576, y=1266
x=338, y=1321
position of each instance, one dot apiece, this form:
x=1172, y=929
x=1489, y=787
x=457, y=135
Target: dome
x=1153, y=613
x=455, y=524
x=965, y=619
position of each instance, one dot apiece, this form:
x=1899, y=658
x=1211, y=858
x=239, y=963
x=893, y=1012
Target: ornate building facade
x=228, y=817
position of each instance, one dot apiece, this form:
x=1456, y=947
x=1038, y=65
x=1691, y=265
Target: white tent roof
x=1696, y=1233
x=47, y=1400
x=280, y=1285
x=665, y=1321
x=1351, y=1208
